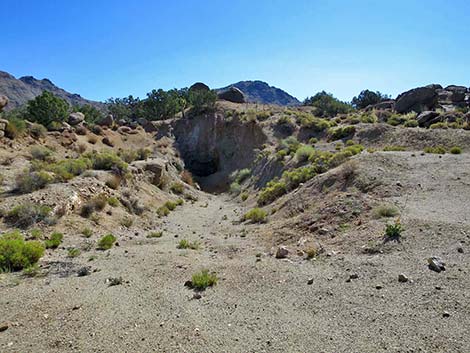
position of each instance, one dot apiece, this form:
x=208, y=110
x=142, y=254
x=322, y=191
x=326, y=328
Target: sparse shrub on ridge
x=455, y=150
x=202, y=280
x=54, y=240
x=27, y=214
x=435, y=150
x=385, y=211
x=16, y=253
x=177, y=188
x=106, y=242
x=256, y=215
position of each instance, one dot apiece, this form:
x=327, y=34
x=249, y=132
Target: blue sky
x=103, y=49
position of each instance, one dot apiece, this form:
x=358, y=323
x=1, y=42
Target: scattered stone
x=460, y=249
x=114, y=281
x=197, y=296
x=435, y=264
x=310, y=281
x=282, y=252
x=233, y=94
x=402, y=278
x=107, y=121
x=3, y=101
x=4, y=326
x=378, y=287
x=445, y=314
x=76, y=118
x=418, y=99
x=84, y=271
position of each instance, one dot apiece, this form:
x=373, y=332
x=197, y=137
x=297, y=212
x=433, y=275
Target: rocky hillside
x=261, y=92
x=21, y=90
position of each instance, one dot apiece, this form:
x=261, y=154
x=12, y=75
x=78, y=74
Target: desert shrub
x=350, y=143
x=186, y=244
x=295, y=177
x=327, y=105
x=311, y=252
x=244, y=196
x=263, y=115
x=98, y=203
x=321, y=160
x=385, y=210
x=127, y=222
x=290, y=144
x=435, y=150
x=313, y=141
x=281, y=154
x=27, y=182
x=113, y=202
x=143, y=154
x=155, y=235
x=393, y=148
x=204, y=279
x=285, y=120
x=54, y=240
x=411, y=123
x=46, y=109
x=128, y=156
x=16, y=127
x=235, y=188
x=367, y=97
x=36, y=233
x=177, y=188
x=40, y=153
x=303, y=153
x=273, y=190
x=242, y=175
x=68, y=168
x=338, y=146
x=73, y=252
x=314, y=124
x=393, y=231
x=368, y=118
x=16, y=253
x=202, y=101
x=341, y=132
x=106, y=242
x=27, y=214
x=256, y=215
x=171, y=205
x=456, y=150
x=163, y=211
x=439, y=125
x=107, y=161
x=87, y=232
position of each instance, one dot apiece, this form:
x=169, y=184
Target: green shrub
x=27, y=214
x=40, y=153
x=435, y=150
x=171, y=205
x=293, y=178
x=315, y=124
x=235, y=188
x=106, y=161
x=27, y=182
x=65, y=169
x=385, y=211
x=113, y=202
x=73, y=252
x=341, y=132
x=54, y=240
x=327, y=105
x=202, y=280
x=244, y=196
x=242, y=175
x=186, y=244
x=106, y=242
x=394, y=148
x=313, y=141
x=36, y=233
x=46, y=109
x=163, y=211
x=127, y=222
x=439, y=125
x=15, y=128
x=456, y=150
x=98, y=203
x=177, y=188
x=303, y=153
x=256, y=215
x=155, y=235
x=411, y=123
x=393, y=231
x=128, y=156
x=273, y=190
x=87, y=232
x=290, y=144
x=16, y=253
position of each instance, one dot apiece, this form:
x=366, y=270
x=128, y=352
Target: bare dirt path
x=260, y=304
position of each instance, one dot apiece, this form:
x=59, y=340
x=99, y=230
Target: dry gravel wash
x=257, y=306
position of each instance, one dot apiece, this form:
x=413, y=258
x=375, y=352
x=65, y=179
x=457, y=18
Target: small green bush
x=303, y=153
x=385, y=211
x=186, y=244
x=256, y=215
x=27, y=214
x=244, y=196
x=107, y=161
x=27, y=182
x=127, y=222
x=177, y=188
x=87, y=232
x=235, y=188
x=313, y=141
x=341, y=132
x=202, y=280
x=393, y=148
x=54, y=240
x=163, y=211
x=40, y=153
x=16, y=127
x=393, y=231
x=273, y=190
x=47, y=109
x=315, y=124
x=439, y=125
x=106, y=242
x=113, y=202
x=435, y=150
x=290, y=144
x=456, y=150
x=171, y=205
x=16, y=253
x=411, y=123
x=73, y=252
x=155, y=235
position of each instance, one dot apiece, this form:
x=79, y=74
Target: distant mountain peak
x=257, y=91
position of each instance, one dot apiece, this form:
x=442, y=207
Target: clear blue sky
x=104, y=48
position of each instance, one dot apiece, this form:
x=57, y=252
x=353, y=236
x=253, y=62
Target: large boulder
x=107, y=121
x=233, y=94
x=418, y=99
x=458, y=93
x=199, y=86
x=426, y=118
x=76, y=118
x=3, y=101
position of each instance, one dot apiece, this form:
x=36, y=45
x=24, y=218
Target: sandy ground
x=263, y=304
